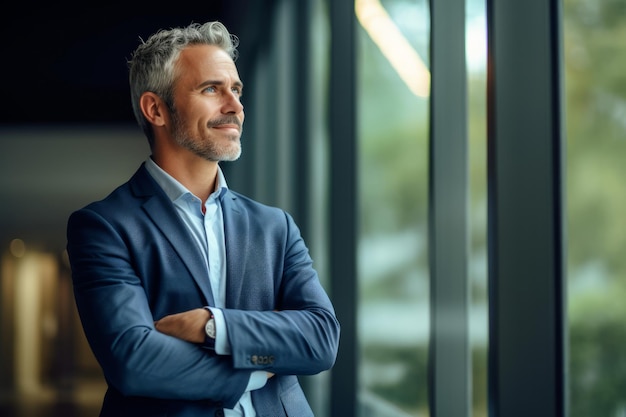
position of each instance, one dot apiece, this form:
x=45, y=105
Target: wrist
x=210, y=331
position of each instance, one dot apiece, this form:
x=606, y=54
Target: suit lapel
x=161, y=211
x=236, y=238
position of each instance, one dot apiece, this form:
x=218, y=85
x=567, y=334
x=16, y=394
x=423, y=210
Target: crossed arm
x=188, y=326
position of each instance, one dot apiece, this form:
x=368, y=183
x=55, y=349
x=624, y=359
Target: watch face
x=210, y=328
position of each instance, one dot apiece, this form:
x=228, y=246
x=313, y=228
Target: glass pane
x=476, y=51
x=595, y=95
x=393, y=38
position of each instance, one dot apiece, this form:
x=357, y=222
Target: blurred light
x=476, y=44
x=17, y=247
x=394, y=46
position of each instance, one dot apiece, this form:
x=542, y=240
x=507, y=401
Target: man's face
x=208, y=114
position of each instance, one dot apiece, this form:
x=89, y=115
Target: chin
x=230, y=156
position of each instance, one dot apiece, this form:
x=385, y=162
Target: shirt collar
x=174, y=189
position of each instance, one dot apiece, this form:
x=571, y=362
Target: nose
x=232, y=103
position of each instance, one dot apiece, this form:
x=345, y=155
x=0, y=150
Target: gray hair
x=152, y=66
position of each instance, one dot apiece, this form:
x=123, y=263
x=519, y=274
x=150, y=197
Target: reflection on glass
x=595, y=114
x=393, y=185
x=476, y=52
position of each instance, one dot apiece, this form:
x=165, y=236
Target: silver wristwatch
x=209, y=328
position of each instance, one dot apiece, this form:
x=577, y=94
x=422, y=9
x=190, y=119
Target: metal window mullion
x=526, y=281
x=449, y=353
x=343, y=203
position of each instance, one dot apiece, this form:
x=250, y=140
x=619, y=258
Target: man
x=196, y=300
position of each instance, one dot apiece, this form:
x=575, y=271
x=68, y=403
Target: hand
x=188, y=325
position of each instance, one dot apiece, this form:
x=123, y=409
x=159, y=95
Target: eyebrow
x=219, y=82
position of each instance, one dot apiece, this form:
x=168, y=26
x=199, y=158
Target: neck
x=197, y=175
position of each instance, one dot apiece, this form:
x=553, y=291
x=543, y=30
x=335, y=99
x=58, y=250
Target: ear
x=153, y=108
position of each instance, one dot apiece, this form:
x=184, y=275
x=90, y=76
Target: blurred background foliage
x=595, y=120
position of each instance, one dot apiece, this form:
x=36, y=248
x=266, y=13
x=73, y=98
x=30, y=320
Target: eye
x=237, y=91
x=210, y=89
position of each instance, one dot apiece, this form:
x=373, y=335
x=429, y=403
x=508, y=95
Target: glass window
x=595, y=113
x=392, y=128
x=476, y=52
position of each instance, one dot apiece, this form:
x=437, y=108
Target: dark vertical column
x=527, y=342
x=343, y=201
x=449, y=354
x=301, y=24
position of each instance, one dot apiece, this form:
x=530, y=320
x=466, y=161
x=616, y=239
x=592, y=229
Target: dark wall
x=69, y=65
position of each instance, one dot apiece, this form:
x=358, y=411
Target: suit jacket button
x=219, y=413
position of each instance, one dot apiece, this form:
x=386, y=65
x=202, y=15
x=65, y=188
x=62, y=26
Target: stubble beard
x=207, y=148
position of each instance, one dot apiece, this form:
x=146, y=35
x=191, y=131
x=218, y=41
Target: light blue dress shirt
x=207, y=231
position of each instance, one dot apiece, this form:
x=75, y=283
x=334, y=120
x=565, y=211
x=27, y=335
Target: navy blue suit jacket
x=133, y=262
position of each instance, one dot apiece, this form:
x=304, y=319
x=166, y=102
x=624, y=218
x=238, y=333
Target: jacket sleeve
x=119, y=325
x=299, y=334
